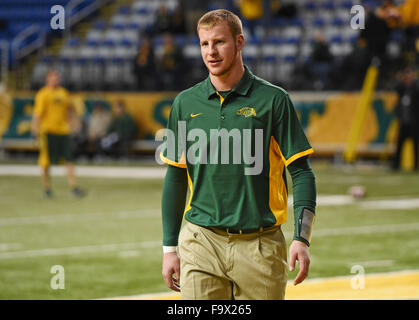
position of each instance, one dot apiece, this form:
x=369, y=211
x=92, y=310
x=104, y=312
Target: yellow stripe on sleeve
x=299, y=155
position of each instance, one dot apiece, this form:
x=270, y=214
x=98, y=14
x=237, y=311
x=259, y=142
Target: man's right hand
x=171, y=266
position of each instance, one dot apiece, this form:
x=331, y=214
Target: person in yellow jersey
x=50, y=124
x=251, y=12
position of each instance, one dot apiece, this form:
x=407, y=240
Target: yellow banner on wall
x=329, y=127
x=326, y=118
x=5, y=112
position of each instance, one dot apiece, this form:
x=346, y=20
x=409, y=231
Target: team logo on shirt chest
x=246, y=112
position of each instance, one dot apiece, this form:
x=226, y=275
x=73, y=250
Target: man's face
x=410, y=76
x=53, y=79
x=219, y=49
x=119, y=109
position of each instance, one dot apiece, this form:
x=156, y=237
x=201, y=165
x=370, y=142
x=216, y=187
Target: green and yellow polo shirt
x=222, y=194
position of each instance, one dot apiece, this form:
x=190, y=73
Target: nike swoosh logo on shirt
x=193, y=115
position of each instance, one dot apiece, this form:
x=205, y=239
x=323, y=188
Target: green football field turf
x=109, y=242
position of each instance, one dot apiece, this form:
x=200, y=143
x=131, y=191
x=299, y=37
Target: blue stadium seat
x=113, y=36
x=62, y=65
x=347, y=4
x=310, y=5
x=286, y=50
x=119, y=25
x=279, y=22
x=77, y=79
x=180, y=40
x=100, y=25
x=296, y=22
x=328, y=5
x=73, y=41
x=95, y=34
x=319, y=22
x=292, y=58
x=192, y=50
x=338, y=22
x=143, y=11
x=125, y=10
x=134, y=25
x=92, y=42
x=131, y=35
x=251, y=52
x=337, y=38
x=70, y=48
x=292, y=39
x=274, y=40
x=267, y=67
x=15, y=27
x=95, y=67
x=397, y=36
x=40, y=70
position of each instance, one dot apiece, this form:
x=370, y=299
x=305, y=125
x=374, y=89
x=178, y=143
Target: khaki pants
x=217, y=265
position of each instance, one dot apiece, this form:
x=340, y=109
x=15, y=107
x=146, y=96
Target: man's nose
x=212, y=50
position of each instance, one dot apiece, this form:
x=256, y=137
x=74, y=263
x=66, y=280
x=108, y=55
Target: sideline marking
x=391, y=285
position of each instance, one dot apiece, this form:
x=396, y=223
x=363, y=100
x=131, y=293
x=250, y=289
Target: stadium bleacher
x=110, y=46
x=18, y=15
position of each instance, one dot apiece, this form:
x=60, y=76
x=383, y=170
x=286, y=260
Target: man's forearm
x=175, y=188
x=304, y=192
x=35, y=124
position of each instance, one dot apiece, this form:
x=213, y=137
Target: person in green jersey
x=229, y=139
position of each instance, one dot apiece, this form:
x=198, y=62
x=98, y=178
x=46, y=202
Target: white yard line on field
x=359, y=230
x=69, y=217
x=323, y=200
x=88, y=171
x=329, y=200
x=79, y=250
x=373, y=263
x=10, y=246
x=387, y=228
x=408, y=203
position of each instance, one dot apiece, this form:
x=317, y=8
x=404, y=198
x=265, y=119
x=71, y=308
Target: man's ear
x=240, y=41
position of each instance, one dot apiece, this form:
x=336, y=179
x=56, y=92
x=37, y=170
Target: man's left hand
x=299, y=251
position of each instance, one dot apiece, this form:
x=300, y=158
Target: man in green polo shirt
x=230, y=138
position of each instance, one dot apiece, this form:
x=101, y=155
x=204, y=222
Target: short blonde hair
x=214, y=17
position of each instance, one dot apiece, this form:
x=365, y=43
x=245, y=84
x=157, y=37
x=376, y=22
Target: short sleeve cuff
x=298, y=155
